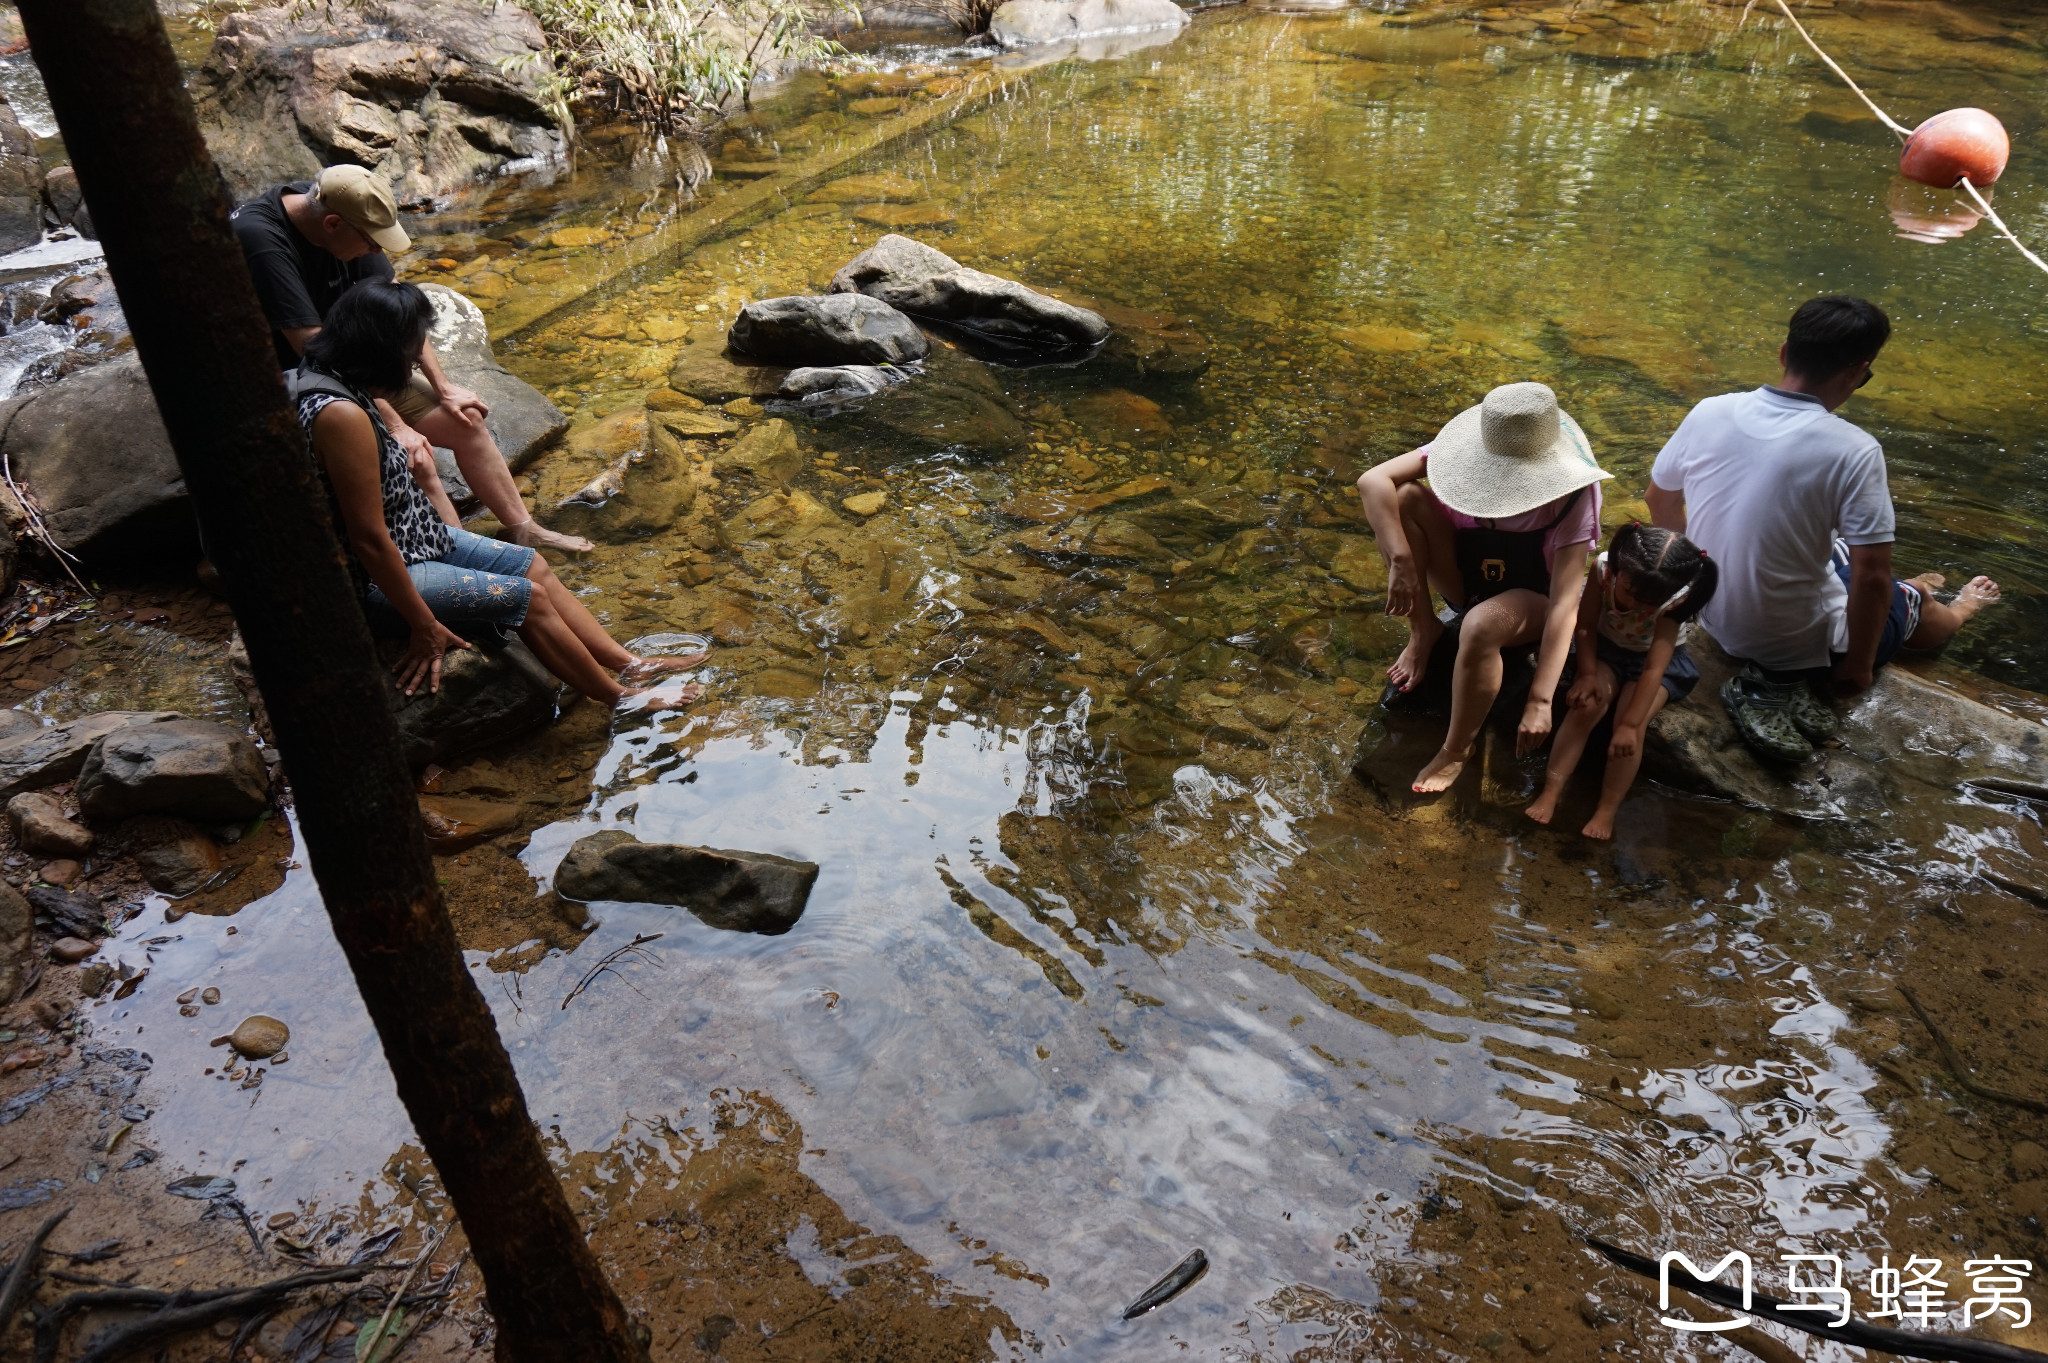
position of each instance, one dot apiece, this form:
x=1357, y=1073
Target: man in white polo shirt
x=1793, y=504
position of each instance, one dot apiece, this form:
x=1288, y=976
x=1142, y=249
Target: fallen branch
x=376, y=1337
x=16, y=1288
x=1956, y=1066
x=632, y=948
x=172, y=1312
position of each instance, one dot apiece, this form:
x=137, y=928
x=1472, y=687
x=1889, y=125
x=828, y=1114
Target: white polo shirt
x=1770, y=479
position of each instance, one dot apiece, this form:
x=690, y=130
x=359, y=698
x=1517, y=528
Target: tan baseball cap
x=365, y=202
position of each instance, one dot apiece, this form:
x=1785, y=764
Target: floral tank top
x=1635, y=629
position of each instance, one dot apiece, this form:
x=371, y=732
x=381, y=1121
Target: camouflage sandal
x=1813, y=716
x=1763, y=717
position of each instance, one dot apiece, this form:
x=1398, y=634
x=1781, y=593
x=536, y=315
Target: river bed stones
x=189, y=767
x=839, y=328
x=768, y=452
x=17, y=941
x=257, y=1037
x=177, y=858
x=41, y=825
x=737, y=891
x=42, y=757
x=1001, y=314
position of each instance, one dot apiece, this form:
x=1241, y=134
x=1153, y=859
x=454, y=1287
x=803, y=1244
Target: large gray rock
x=94, y=451
x=495, y=691
x=1903, y=740
x=1022, y=23
x=429, y=94
x=39, y=757
x=193, y=768
x=1000, y=313
x=840, y=328
x=522, y=421
x=739, y=891
x=21, y=184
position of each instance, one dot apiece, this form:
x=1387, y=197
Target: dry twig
x=16, y=1288
x=632, y=948
x=171, y=1312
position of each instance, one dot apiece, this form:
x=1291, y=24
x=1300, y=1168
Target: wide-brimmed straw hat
x=1512, y=453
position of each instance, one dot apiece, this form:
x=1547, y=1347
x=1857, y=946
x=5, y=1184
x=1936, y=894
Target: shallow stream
x=1111, y=956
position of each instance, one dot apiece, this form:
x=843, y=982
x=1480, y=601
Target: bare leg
x=483, y=468
x=564, y=626
x=1570, y=743
x=1621, y=771
x=1939, y=620
x=1429, y=539
x=1499, y=622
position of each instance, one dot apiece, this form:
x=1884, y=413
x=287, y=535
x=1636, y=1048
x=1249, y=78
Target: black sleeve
x=375, y=265
x=274, y=267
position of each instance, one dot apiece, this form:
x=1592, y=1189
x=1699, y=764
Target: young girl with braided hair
x=1638, y=598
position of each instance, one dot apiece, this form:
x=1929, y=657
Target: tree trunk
x=162, y=213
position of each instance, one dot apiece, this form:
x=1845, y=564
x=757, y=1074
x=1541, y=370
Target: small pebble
x=71, y=950
x=209, y=995
x=60, y=872
x=259, y=1036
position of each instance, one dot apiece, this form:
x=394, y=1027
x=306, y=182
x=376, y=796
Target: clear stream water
x=1111, y=956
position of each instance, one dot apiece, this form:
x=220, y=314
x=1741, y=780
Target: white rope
x=1983, y=204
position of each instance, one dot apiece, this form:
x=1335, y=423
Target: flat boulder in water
x=1003, y=314
x=839, y=329
x=1023, y=23
x=737, y=891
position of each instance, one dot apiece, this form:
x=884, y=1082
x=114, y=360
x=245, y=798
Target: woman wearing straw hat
x=1501, y=531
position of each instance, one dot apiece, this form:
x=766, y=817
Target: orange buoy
x=1955, y=145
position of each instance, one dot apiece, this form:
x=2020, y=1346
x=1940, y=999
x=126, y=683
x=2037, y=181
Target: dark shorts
x=1680, y=675
x=1899, y=622
x=478, y=581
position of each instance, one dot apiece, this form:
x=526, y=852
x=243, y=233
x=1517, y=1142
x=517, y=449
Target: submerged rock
x=738, y=891
x=839, y=328
x=41, y=825
x=790, y=514
x=173, y=856
x=43, y=757
x=1023, y=23
x=432, y=95
x=259, y=1036
x=768, y=452
x=841, y=383
x=1002, y=314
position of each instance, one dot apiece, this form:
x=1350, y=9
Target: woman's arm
x=419, y=461
x=346, y=444
x=1379, y=488
x=1628, y=728
x=1567, y=584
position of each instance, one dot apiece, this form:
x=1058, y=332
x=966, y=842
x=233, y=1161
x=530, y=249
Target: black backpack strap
x=1558, y=519
x=301, y=381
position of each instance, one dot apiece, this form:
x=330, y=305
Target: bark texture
x=162, y=211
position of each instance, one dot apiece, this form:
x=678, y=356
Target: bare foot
x=531, y=534
x=1441, y=772
x=1424, y=629
x=1601, y=825
x=1544, y=807
x=1977, y=593
x=646, y=698
x=642, y=668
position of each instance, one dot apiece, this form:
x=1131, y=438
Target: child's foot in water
x=1442, y=771
x=1544, y=807
x=1407, y=671
x=1976, y=594
x=1601, y=825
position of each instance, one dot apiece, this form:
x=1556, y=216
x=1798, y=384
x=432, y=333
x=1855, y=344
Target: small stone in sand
x=259, y=1037
x=865, y=503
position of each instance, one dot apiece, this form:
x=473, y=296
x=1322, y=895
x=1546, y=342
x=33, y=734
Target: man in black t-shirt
x=309, y=242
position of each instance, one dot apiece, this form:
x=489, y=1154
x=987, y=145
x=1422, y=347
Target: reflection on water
x=1110, y=956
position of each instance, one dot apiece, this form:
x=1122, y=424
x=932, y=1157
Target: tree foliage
x=674, y=65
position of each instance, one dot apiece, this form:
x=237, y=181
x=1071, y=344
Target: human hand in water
x=1627, y=738
x=1534, y=730
x=1406, y=591
x=422, y=659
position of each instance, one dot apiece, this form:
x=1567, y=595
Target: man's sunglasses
x=1868, y=375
